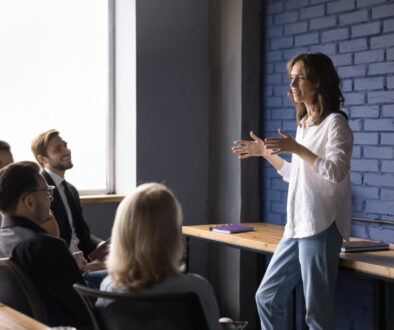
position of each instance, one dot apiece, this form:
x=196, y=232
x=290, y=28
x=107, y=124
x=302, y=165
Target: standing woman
x=319, y=195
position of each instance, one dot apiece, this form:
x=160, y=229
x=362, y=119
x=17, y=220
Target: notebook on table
x=358, y=246
x=231, y=228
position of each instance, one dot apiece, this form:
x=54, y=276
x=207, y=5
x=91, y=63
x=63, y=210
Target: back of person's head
x=146, y=243
x=39, y=146
x=319, y=70
x=4, y=146
x=5, y=154
x=16, y=180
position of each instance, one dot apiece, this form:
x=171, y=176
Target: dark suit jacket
x=87, y=242
x=50, y=266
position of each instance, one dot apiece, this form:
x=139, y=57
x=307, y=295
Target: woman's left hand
x=282, y=144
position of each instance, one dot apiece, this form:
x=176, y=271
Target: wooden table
x=11, y=319
x=378, y=265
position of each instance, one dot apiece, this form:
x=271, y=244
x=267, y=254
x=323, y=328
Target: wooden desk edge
x=91, y=199
x=12, y=319
x=202, y=231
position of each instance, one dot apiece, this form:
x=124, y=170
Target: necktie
x=70, y=199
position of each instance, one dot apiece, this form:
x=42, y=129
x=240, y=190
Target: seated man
x=54, y=156
x=6, y=158
x=24, y=203
x=5, y=154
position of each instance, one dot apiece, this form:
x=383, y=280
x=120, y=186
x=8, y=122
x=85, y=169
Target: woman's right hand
x=250, y=148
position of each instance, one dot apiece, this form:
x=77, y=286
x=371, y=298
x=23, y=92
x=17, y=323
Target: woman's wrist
x=304, y=153
x=298, y=149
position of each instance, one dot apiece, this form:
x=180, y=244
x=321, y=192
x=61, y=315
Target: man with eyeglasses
x=7, y=158
x=25, y=201
x=53, y=154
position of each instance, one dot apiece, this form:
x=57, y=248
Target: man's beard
x=61, y=167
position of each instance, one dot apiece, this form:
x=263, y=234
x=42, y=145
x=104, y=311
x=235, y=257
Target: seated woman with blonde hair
x=146, y=249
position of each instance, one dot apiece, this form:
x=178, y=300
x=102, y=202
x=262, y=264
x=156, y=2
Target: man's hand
x=80, y=260
x=84, y=265
x=94, y=265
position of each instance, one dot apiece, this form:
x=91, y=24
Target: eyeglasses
x=48, y=189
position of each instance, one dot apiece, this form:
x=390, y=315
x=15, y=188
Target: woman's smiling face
x=302, y=89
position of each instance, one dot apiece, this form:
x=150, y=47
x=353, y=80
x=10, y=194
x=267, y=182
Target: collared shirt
x=320, y=195
x=58, y=182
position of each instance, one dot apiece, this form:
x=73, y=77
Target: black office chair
x=18, y=292
x=172, y=311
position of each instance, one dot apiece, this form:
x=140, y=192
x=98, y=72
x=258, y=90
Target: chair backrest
x=18, y=292
x=118, y=311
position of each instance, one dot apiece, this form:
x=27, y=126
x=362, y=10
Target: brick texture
x=359, y=37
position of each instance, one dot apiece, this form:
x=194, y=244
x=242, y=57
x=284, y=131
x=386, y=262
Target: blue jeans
x=313, y=259
x=94, y=278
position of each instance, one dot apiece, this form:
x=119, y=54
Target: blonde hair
x=146, y=242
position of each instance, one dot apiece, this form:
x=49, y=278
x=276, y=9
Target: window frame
x=110, y=141
x=110, y=180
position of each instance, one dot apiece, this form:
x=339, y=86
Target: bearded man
x=54, y=156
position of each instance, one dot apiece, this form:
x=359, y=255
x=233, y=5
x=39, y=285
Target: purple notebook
x=231, y=228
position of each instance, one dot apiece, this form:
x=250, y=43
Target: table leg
x=379, y=305
x=390, y=316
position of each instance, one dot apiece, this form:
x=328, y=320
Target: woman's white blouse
x=317, y=196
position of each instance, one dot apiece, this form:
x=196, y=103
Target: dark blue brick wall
x=359, y=36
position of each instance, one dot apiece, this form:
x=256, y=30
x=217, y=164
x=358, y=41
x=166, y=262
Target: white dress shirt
x=320, y=195
x=58, y=182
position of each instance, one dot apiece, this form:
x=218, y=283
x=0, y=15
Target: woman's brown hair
x=146, y=242
x=319, y=69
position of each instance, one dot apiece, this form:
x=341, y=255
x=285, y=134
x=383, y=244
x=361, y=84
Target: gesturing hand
x=282, y=144
x=250, y=148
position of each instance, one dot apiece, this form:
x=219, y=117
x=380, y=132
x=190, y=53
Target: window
x=56, y=73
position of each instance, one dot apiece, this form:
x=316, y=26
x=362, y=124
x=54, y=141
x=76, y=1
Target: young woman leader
x=319, y=195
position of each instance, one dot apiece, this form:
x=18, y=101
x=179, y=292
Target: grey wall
x=173, y=100
x=173, y=104
x=225, y=181
x=100, y=218
x=188, y=114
